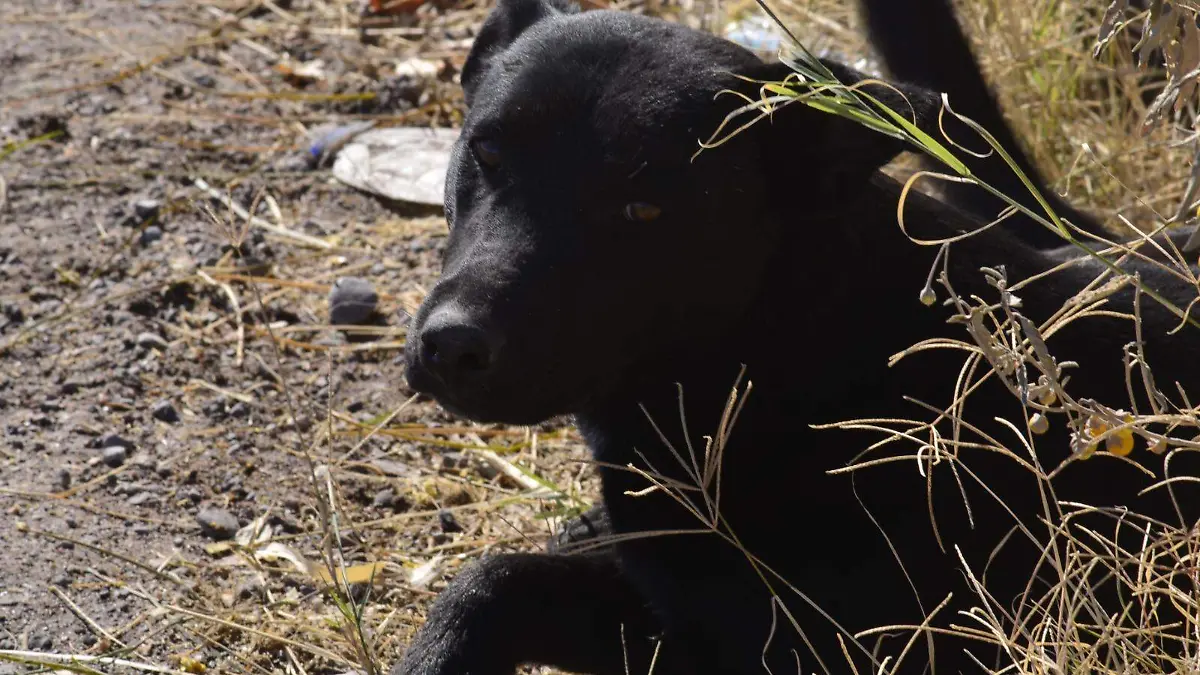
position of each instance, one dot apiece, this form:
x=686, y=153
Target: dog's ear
x=834, y=155
x=507, y=20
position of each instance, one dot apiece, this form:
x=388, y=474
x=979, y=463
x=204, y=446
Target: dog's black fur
x=779, y=251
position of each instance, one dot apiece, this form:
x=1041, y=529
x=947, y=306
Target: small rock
x=143, y=499
x=448, y=522
x=41, y=643
x=230, y=484
x=146, y=209
x=50, y=406
x=384, y=498
x=142, y=529
x=61, y=580
x=165, y=412
x=217, y=524
x=239, y=409
x=113, y=440
x=14, y=313
x=351, y=301
x=62, y=479
x=150, y=235
x=151, y=341
x=114, y=456
x=454, y=460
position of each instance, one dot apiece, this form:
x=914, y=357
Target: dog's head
x=585, y=240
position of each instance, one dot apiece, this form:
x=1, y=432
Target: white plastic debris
x=402, y=163
x=756, y=33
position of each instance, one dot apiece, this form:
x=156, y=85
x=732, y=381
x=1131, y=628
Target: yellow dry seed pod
x=1120, y=443
x=1038, y=424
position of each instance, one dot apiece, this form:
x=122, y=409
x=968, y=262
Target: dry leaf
x=1160, y=28
x=1109, y=23
x=354, y=574
x=424, y=574
x=302, y=74
x=278, y=550
x=257, y=532
x=218, y=549
x=417, y=69
x=189, y=665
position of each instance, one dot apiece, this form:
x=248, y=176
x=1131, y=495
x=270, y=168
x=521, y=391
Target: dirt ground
x=203, y=346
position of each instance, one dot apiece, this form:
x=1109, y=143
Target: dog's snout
x=455, y=348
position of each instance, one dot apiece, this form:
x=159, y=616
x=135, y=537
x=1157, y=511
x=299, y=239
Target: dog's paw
x=582, y=533
x=437, y=650
x=465, y=630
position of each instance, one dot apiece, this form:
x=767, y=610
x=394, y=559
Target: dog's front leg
x=573, y=612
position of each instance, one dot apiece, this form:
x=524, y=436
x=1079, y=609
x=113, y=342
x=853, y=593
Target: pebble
x=151, y=341
x=62, y=479
x=165, y=412
x=143, y=499
x=50, y=406
x=352, y=300
x=14, y=313
x=448, y=522
x=384, y=498
x=150, y=235
x=114, y=455
x=111, y=440
x=145, y=209
x=217, y=524
x=41, y=643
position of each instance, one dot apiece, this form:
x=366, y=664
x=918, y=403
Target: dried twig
x=227, y=202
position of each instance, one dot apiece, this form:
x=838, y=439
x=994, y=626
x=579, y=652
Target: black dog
x=594, y=268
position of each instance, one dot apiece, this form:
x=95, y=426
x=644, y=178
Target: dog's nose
x=454, y=347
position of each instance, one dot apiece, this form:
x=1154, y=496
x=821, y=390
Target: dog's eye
x=488, y=151
x=641, y=212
